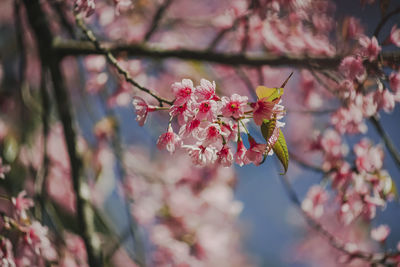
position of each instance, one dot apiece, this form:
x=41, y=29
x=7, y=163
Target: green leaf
x=270, y=133
x=281, y=151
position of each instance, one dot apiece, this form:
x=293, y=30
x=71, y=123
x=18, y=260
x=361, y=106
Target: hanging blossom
x=209, y=125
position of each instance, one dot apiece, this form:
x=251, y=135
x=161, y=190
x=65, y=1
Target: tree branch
x=384, y=20
x=386, y=139
x=74, y=48
x=156, y=19
x=44, y=37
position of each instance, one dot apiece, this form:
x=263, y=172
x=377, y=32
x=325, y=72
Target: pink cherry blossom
x=395, y=36
x=191, y=128
x=168, y=140
x=234, y=106
x=264, y=109
x=212, y=135
x=380, y=233
x=349, y=120
x=240, y=156
x=352, y=67
x=394, y=81
x=122, y=6
x=225, y=156
x=201, y=155
x=207, y=110
x=22, y=204
x=6, y=253
x=256, y=151
x=95, y=63
x=3, y=169
x=142, y=109
x=369, y=158
x=205, y=91
x=183, y=91
x=314, y=202
x=385, y=100
x=36, y=238
x=180, y=111
x=370, y=47
x=354, y=28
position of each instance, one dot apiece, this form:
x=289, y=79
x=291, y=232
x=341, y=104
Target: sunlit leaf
x=269, y=93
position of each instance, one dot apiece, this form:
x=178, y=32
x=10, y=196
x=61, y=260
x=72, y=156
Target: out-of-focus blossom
x=394, y=37
x=353, y=28
x=349, y=120
x=22, y=204
x=352, y=67
x=380, y=233
x=4, y=168
x=369, y=158
x=385, y=100
x=6, y=253
x=36, y=238
x=87, y=7
x=314, y=202
x=122, y=6
x=370, y=47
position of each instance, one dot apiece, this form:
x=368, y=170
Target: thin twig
x=386, y=139
x=304, y=164
x=156, y=19
x=110, y=57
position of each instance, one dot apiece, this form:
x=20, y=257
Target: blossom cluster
x=189, y=213
x=208, y=123
x=24, y=241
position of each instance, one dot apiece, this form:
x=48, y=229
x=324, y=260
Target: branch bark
x=75, y=48
x=49, y=58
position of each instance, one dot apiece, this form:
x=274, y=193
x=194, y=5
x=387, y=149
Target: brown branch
x=99, y=48
x=74, y=48
x=384, y=20
x=386, y=139
x=44, y=37
x=156, y=19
